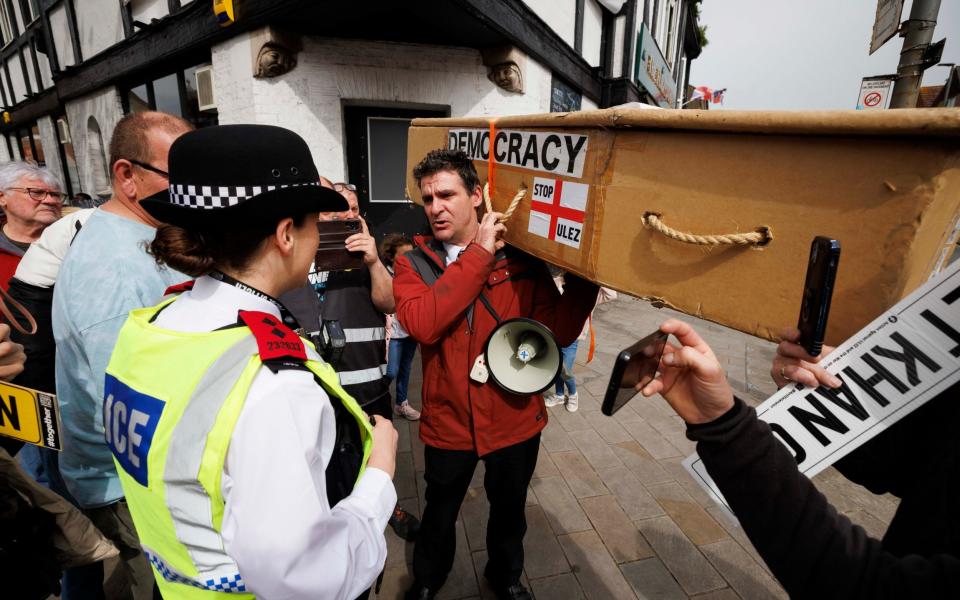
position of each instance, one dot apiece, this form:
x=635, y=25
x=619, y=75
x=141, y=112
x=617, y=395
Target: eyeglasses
x=38, y=194
x=344, y=186
x=148, y=167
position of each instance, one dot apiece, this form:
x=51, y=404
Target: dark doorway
x=376, y=142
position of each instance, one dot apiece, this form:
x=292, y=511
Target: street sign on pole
x=875, y=92
x=887, y=22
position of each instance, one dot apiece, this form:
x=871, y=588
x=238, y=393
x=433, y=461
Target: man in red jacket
x=473, y=281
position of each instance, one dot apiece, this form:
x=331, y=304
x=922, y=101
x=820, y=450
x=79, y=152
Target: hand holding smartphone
x=332, y=254
x=634, y=368
x=817, y=293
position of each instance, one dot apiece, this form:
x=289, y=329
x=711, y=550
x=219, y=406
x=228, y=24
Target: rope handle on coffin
x=5, y=298
x=760, y=237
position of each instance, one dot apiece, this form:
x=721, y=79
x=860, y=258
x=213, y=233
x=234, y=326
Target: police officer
x=247, y=468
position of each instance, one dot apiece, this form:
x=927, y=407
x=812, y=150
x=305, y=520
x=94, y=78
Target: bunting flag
x=718, y=96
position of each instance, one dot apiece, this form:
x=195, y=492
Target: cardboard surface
x=886, y=184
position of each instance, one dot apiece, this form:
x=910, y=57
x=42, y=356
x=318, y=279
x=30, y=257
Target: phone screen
x=635, y=366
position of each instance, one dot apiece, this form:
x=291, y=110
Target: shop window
x=67, y=156
x=6, y=26
x=29, y=146
x=175, y=93
x=97, y=159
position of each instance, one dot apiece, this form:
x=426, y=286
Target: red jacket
x=8, y=266
x=459, y=413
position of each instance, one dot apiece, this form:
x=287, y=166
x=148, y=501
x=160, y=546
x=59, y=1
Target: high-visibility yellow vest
x=171, y=402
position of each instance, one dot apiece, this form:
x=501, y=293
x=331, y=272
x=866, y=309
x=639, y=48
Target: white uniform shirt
x=277, y=523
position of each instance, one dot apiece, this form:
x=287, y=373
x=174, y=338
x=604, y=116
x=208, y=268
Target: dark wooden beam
x=578, y=28
x=48, y=41
x=516, y=21
x=606, y=43
x=71, y=14
x=629, y=38
x=12, y=17
x=173, y=6
x=26, y=74
x=6, y=74
x=40, y=105
x=193, y=28
x=126, y=17
x=36, y=65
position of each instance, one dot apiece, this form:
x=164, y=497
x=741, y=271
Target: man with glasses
x=359, y=299
x=106, y=274
x=31, y=200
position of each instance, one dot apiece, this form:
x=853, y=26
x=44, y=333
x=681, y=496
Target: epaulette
x=279, y=346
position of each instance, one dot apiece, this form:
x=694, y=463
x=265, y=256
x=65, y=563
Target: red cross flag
x=557, y=210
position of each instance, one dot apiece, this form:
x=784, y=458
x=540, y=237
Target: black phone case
x=332, y=252
x=619, y=368
x=817, y=293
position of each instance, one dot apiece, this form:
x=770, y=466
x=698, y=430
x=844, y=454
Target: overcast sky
x=803, y=54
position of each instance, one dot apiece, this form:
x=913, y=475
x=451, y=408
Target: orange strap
x=593, y=340
x=492, y=161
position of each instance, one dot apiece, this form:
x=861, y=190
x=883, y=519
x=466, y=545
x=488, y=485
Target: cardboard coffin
x=886, y=184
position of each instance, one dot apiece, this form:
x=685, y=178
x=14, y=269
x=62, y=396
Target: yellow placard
x=30, y=416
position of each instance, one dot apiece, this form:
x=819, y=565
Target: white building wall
x=560, y=15
x=145, y=10
x=104, y=106
x=309, y=99
x=100, y=26
x=51, y=150
x=60, y=32
x=4, y=153
x=16, y=76
x=592, y=32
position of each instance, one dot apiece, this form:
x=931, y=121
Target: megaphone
x=522, y=356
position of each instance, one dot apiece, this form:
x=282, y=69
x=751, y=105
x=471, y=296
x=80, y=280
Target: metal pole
x=917, y=34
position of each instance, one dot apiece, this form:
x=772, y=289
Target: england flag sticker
x=557, y=210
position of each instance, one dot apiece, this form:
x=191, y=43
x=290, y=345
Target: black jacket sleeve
x=814, y=551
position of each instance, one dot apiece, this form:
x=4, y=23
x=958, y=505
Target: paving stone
x=417, y=446
x=479, y=563
x=692, y=571
x=874, y=527
x=740, y=570
x=651, y=580
x=579, y=475
x=626, y=414
x=632, y=496
x=569, y=421
x=652, y=441
x=619, y=534
x=462, y=580
x=675, y=468
x=475, y=512
x=558, y=587
x=687, y=514
x=403, y=434
x=404, y=478
x=478, y=473
x=598, y=575
x=559, y=505
x=595, y=450
x=542, y=554
x=609, y=428
x=396, y=581
x=724, y=594
x=555, y=439
x=639, y=461
x=545, y=466
x=736, y=532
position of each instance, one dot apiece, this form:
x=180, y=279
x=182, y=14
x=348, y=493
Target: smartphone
x=817, y=292
x=332, y=254
x=637, y=365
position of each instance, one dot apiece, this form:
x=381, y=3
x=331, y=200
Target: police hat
x=237, y=173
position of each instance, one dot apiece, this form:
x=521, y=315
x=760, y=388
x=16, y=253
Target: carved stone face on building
x=274, y=60
x=507, y=76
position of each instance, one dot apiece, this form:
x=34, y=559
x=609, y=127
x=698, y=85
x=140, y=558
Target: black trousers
x=448, y=474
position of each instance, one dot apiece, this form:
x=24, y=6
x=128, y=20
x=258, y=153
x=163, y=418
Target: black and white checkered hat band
x=212, y=196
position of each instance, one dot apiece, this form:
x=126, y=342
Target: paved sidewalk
x=611, y=512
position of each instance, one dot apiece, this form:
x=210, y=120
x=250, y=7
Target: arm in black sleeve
x=814, y=551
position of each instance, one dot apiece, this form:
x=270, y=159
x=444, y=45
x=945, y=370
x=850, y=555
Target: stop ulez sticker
x=557, y=210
